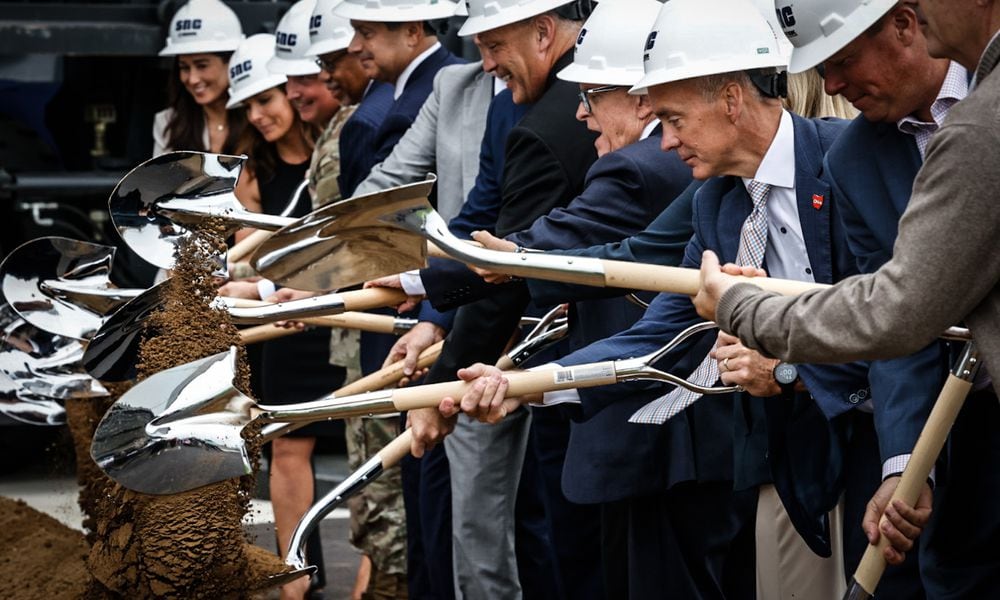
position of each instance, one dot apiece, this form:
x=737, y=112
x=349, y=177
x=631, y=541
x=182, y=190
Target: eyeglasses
x=330, y=62
x=585, y=95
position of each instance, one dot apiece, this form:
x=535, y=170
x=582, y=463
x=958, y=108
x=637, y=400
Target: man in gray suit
x=448, y=146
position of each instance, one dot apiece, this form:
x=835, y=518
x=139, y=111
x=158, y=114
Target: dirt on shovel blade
x=188, y=545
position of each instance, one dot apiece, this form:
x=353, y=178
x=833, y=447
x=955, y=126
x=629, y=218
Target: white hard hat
x=203, y=26
x=463, y=8
x=766, y=8
x=610, y=45
x=328, y=32
x=248, y=72
x=818, y=29
x=694, y=38
x=291, y=42
x=485, y=15
x=395, y=11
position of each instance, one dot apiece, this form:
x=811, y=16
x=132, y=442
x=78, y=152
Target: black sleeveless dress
x=296, y=368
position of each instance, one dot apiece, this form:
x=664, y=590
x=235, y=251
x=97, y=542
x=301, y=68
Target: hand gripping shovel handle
x=389, y=456
x=428, y=396
x=925, y=453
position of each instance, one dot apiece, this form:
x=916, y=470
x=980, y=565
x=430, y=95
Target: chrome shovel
x=357, y=239
x=183, y=427
x=62, y=286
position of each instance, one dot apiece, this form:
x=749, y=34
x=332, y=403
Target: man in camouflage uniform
x=378, y=519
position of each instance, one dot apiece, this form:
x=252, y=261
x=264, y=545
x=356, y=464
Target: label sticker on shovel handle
x=585, y=373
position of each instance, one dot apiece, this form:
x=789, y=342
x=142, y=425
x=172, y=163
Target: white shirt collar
x=499, y=85
x=777, y=169
x=648, y=129
x=410, y=68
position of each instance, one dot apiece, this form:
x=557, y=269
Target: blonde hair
x=807, y=98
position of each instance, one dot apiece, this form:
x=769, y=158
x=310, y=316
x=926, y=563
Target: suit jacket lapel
x=897, y=160
x=813, y=200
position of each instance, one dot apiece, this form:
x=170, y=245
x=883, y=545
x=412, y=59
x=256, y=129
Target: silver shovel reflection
x=62, y=285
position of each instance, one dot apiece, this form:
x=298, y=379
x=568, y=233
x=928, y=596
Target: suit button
x=854, y=399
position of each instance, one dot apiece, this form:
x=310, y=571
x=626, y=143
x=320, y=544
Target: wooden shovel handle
x=925, y=453
x=520, y=383
x=244, y=247
x=390, y=375
x=678, y=280
x=394, y=451
x=645, y=276
x=263, y=333
x=372, y=298
x=378, y=380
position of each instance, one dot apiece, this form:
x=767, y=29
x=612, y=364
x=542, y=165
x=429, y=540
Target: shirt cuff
x=569, y=396
x=896, y=464
x=412, y=284
x=265, y=288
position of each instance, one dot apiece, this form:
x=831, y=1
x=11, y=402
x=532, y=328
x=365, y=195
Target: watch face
x=785, y=373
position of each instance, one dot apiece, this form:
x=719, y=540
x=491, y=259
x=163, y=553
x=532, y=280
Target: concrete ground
x=52, y=489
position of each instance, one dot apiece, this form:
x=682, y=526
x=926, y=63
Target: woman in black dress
x=294, y=368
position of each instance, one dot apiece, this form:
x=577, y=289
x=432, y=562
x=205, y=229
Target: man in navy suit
x=623, y=469
x=546, y=157
x=396, y=46
x=733, y=133
x=872, y=167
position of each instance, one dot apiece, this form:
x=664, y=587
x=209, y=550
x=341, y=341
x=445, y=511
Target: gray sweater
x=945, y=266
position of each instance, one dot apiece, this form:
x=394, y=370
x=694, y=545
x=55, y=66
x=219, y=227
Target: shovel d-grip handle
x=925, y=453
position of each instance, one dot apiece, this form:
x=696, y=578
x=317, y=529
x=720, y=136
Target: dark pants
x=427, y=496
x=961, y=545
x=574, y=528
x=862, y=477
x=536, y=558
x=693, y=542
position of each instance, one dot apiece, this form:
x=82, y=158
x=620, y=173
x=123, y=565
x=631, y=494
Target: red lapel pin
x=817, y=201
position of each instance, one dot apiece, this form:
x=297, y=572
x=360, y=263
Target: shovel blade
x=114, y=351
x=45, y=364
x=27, y=269
x=177, y=430
x=348, y=242
x=207, y=180
x=27, y=408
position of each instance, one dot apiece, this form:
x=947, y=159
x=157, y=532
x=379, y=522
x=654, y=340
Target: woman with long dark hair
x=203, y=35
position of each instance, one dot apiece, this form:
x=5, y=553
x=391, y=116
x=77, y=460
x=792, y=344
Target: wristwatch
x=787, y=375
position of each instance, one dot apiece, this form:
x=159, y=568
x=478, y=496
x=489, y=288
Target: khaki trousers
x=786, y=568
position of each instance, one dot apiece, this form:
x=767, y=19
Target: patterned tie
x=753, y=242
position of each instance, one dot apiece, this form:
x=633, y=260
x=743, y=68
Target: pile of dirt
x=188, y=545
x=39, y=556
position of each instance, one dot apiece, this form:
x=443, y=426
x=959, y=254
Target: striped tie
x=753, y=242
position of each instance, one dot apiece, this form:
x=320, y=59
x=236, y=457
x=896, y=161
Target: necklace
x=220, y=127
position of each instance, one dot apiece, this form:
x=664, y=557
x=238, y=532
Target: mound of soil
x=39, y=556
x=187, y=545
